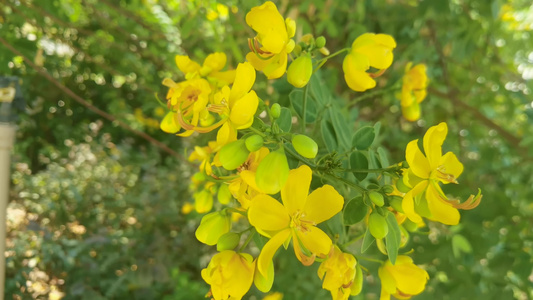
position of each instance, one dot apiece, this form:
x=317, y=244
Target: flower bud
x=169, y=124
x=401, y=186
x=377, y=225
x=387, y=189
x=396, y=203
x=223, y=194
x=233, y=155
x=376, y=198
x=228, y=241
x=275, y=110
x=272, y=172
x=412, y=112
x=320, y=42
x=212, y=227
x=305, y=146
x=357, y=285
x=300, y=71
x=254, y=143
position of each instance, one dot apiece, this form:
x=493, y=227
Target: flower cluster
x=280, y=187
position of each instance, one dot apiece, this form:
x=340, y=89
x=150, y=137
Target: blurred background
x=97, y=190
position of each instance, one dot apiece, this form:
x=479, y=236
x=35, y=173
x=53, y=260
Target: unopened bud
x=300, y=71
x=233, y=155
x=320, y=42
x=396, y=203
x=212, y=227
x=377, y=225
x=387, y=189
x=272, y=172
x=376, y=198
x=254, y=143
x=275, y=110
x=357, y=285
x=305, y=146
x=228, y=241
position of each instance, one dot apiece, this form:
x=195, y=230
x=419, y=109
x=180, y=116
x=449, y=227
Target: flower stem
x=304, y=107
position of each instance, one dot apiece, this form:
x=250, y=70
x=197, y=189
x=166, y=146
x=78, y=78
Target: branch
x=91, y=107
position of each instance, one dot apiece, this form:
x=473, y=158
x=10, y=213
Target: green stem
x=393, y=87
x=335, y=54
x=248, y=239
x=348, y=183
x=353, y=240
x=256, y=131
x=369, y=259
x=304, y=106
x=298, y=157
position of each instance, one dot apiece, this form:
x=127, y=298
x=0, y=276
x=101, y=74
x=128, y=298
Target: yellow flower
x=402, y=280
x=300, y=71
x=413, y=91
x=245, y=183
x=211, y=68
x=237, y=105
x=203, y=154
x=337, y=273
x=230, y=275
x=368, y=50
x=426, y=198
x=296, y=218
x=274, y=296
x=273, y=41
x=169, y=124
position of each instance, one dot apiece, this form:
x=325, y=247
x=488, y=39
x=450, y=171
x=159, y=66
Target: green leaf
x=393, y=239
x=367, y=241
x=285, y=120
x=296, y=98
x=341, y=129
x=328, y=134
x=382, y=153
x=358, y=160
x=355, y=211
x=460, y=244
x=363, y=137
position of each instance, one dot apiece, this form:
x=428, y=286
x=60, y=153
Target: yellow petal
x=226, y=134
x=186, y=65
x=276, y=66
x=451, y=166
x=212, y=227
x=377, y=48
x=258, y=63
x=225, y=77
x=388, y=284
x=418, y=163
x=411, y=113
x=355, y=66
x=243, y=110
x=441, y=211
x=244, y=80
x=314, y=240
x=433, y=140
x=267, y=214
x=168, y=124
x=408, y=203
x=322, y=204
x=294, y=192
x=410, y=279
x=269, y=25
x=267, y=253
x=264, y=283
x=215, y=61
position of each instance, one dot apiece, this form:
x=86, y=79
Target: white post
x=7, y=137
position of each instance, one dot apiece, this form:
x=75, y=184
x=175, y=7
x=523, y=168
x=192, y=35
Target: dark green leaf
x=285, y=120
x=296, y=98
x=355, y=211
x=358, y=160
x=328, y=134
x=368, y=240
x=363, y=137
x=393, y=239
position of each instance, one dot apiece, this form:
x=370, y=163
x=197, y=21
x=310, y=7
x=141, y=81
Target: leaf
x=367, y=241
x=285, y=120
x=341, y=129
x=358, y=160
x=460, y=244
x=382, y=153
x=328, y=134
x=296, y=98
x=393, y=239
x=355, y=211
x=363, y=137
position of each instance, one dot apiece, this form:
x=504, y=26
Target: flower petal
x=294, y=192
x=355, y=66
x=267, y=214
x=314, y=240
x=269, y=25
x=418, y=163
x=186, y=65
x=410, y=279
x=267, y=253
x=215, y=61
x=440, y=210
x=451, y=166
x=244, y=80
x=408, y=203
x=322, y=204
x=277, y=66
x=433, y=140
x=243, y=111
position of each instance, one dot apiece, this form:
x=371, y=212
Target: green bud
x=378, y=225
x=304, y=145
x=300, y=71
x=223, y=194
x=254, y=143
x=401, y=186
x=320, y=42
x=396, y=203
x=228, y=241
x=275, y=110
x=272, y=172
x=377, y=198
x=297, y=49
x=357, y=285
x=233, y=155
x=387, y=189
x=212, y=227
x=409, y=225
